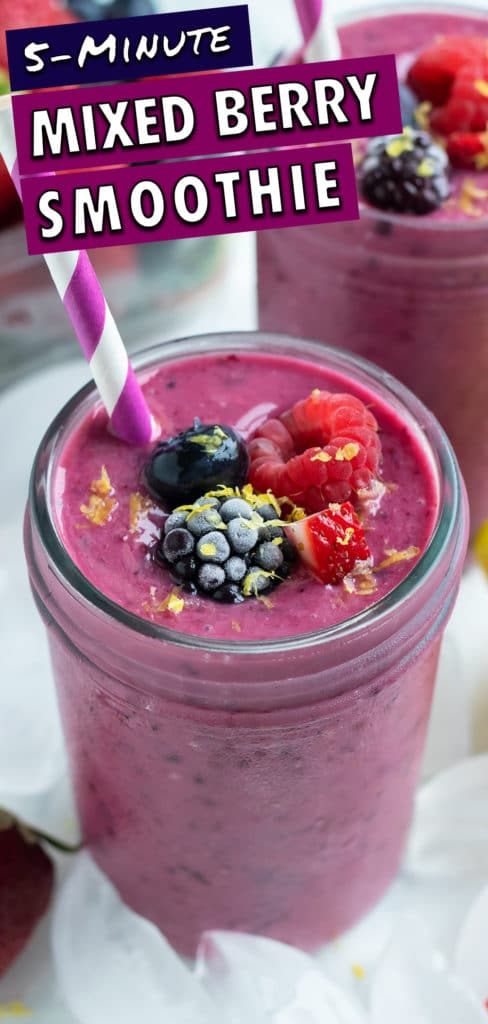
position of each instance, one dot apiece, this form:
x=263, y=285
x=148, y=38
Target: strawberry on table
x=26, y=883
x=330, y=543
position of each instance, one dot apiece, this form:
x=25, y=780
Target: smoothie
x=408, y=292
x=246, y=765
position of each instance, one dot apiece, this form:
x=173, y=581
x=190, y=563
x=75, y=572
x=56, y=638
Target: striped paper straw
x=320, y=38
x=94, y=325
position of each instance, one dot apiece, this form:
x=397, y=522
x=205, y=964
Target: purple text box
x=48, y=56
x=298, y=189
x=199, y=91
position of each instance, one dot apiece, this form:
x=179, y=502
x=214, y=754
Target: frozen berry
x=326, y=448
x=200, y=523
x=235, y=507
x=235, y=569
x=242, y=537
x=197, y=460
x=330, y=543
x=177, y=543
x=268, y=556
x=407, y=173
x=210, y=577
x=213, y=547
x=220, y=551
x=174, y=520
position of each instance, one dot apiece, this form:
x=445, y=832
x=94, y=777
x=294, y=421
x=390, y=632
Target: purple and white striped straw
x=94, y=325
x=320, y=39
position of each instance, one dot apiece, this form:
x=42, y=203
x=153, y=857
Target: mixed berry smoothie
x=247, y=762
x=408, y=292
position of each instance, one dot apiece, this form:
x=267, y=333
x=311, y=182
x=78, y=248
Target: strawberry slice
x=432, y=75
x=330, y=543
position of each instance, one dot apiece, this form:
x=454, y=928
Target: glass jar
x=409, y=293
x=259, y=786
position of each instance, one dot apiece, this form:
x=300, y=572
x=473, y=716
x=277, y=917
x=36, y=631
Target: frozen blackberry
x=406, y=173
x=225, y=548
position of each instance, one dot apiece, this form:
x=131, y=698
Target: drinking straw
x=320, y=38
x=82, y=296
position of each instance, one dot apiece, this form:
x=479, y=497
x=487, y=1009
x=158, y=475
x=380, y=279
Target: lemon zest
x=394, y=556
x=101, y=502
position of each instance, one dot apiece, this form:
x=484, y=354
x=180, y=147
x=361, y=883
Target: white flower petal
x=471, y=957
x=113, y=965
x=254, y=980
x=450, y=830
x=412, y=984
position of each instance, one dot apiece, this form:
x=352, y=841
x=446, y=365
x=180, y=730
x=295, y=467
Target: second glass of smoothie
x=249, y=766
x=408, y=292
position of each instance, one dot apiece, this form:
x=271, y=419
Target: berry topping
x=432, y=75
x=195, y=461
x=330, y=543
x=231, y=557
x=326, y=448
x=405, y=173
x=452, y=76
x=468, y=149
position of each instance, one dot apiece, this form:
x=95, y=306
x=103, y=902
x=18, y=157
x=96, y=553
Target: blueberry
x=200, y=459
x=202, y=522
x=213, y=547
x=235, y=569
x=242, y=537
x=177, y=544
x=229, y=593
x=185, y=568
x=174, y=520
x=288, y=550
x=267, y=512
x=210, y=577
x=269, y=556
x=267, y=533
x=256, y=581
x=235, y=507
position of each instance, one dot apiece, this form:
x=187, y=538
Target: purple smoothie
x=409, y=293
x=240, y=391
x=244, y=767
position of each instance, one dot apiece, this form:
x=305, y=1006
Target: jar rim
x=447, y=536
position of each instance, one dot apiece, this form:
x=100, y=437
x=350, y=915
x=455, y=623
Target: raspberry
x=330, y=543
x=406, y=173
x=432, y=74
x=468, y=149
x=325, y=449
x=466, y=109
